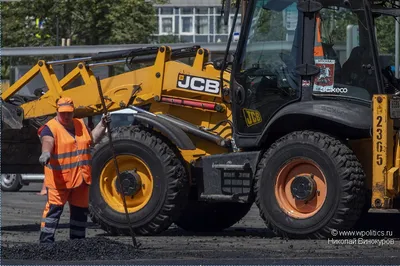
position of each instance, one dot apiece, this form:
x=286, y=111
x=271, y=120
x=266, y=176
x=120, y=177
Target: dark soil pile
x=72, y=250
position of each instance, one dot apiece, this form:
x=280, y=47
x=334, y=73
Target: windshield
x=266, y=68
x=343, y=52
x=385, y=28
x=266, y=65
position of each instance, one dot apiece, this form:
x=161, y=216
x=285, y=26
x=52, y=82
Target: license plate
x=395, y=108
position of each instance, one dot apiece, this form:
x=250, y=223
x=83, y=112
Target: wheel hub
x=8, y=179
x=303, y=187
x=131, y=183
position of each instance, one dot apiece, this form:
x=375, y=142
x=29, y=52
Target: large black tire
x=345, y=191
x=170, y=182
x=211, y=216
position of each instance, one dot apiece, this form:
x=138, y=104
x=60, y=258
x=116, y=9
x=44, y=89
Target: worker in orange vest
x=66, y=157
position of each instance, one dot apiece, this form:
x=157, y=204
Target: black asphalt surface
x=248, y=261
x=248, y=242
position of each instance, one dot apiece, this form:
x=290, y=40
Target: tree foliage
x=133, y=21
x=269, y=26
x=385, y=31
x=84, y=22
x=336, y=22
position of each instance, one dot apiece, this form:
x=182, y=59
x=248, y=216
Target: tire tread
x=175, y=172
x=352, y=179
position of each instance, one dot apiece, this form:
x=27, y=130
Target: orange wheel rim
x=300, y=188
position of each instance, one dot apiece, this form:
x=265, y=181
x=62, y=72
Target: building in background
x=193, y=21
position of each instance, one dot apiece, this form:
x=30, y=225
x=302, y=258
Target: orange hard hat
x=65, y=104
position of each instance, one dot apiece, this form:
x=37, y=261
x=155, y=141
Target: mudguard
x=175, y=134
x=353, y=119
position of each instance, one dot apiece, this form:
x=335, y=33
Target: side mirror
x=227, y=9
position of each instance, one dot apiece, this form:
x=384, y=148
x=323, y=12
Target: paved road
x=248, y=242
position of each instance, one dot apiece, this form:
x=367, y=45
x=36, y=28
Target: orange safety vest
x=318, y=50
x=70, y=161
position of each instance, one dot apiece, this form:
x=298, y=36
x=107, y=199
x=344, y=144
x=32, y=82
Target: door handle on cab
x=240, y=94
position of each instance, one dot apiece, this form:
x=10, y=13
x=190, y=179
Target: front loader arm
x=136, y=87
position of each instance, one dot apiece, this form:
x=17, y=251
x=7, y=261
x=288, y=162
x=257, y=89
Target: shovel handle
x=135, y=244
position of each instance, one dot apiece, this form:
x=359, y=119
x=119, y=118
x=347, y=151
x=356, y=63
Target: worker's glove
x=44, y=158
x=106, y=119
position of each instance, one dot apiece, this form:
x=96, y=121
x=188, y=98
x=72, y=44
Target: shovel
x=135, y=244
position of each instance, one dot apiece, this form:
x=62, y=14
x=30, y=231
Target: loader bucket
x=20, y=145
x=12, y=116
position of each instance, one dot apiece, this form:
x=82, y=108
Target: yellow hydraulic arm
x=134, y=87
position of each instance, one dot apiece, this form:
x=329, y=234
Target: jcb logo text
x=252, y=117
x=198, y=84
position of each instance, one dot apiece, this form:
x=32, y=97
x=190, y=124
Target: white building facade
x=194, y=21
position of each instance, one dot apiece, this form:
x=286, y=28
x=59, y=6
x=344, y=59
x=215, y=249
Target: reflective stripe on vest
x=70, y=154
x=69, y=166
x=70, y=161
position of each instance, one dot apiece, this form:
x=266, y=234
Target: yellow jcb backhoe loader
x=310, y=136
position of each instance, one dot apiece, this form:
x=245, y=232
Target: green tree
x=334, y=25
x=133, y=21
x=385, y=29
x=85, y=22
x=336, y=22
x=269, y=26
x=82, y=21
x=19, y=23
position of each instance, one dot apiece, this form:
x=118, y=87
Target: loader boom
x=135, y=87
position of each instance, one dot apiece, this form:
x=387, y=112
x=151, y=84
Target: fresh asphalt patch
x=88, y=249
x=247, y=242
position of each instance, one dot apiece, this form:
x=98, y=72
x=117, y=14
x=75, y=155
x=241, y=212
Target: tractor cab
x=303, y=63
